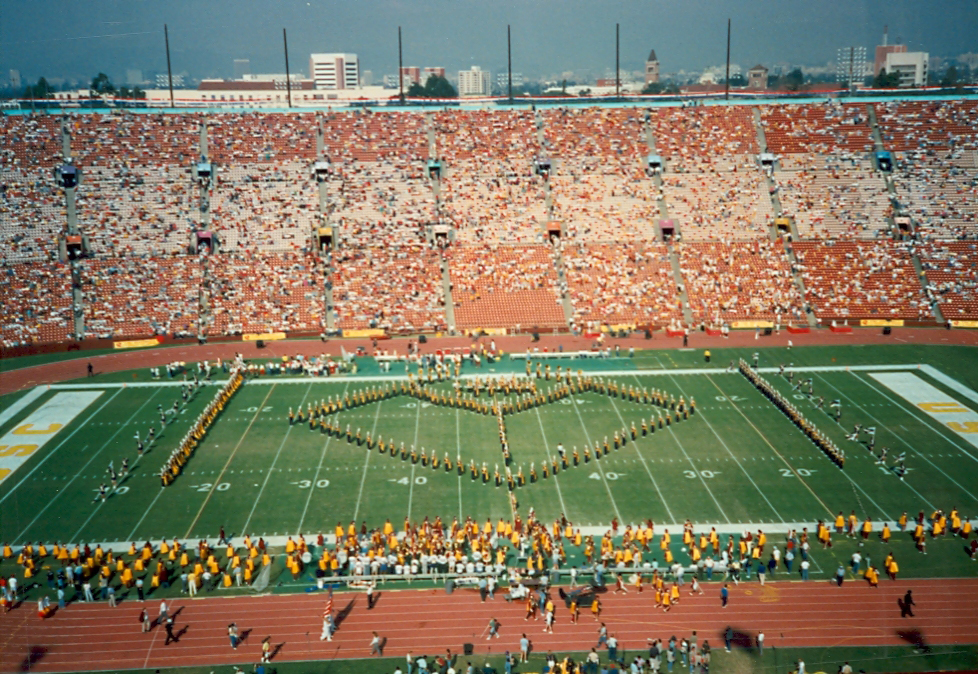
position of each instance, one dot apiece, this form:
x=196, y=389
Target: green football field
x=737, y=461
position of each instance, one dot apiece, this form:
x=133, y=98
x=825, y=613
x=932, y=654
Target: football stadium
x=622, y=383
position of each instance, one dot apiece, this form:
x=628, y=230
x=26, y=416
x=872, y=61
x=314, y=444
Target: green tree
x=793, y=80
x=738, y=81
x=661, y=88
x=134, y=93
x=40, y=90
x=439, y=87
x=950, y=77
x=101, y=84
x=886, y=80
x=415, y=91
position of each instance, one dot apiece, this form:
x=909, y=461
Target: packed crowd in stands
x=387, y=201
x=505, y=286
x=138, y=205
x=734, y=281
x=597, y=200
x=720, y=203
x=861, y=279
x=140, y=296
x=494, y=201
x=833, y=197
x=702, y=139
x=36, y=305
x=817, y=129
x=621, y=284
x=951, y=270
x=395, y=287
x=257, y=292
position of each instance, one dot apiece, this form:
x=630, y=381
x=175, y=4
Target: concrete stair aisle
x=77, y=297
x=677, y=276
x=204, y=314
x=547, y=194
x=565, y=300
x=935, y=308
x=769, y=178
x=446, y=287
x=879, y=146
x=330, y=312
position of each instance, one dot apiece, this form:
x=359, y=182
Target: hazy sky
x=77, y=38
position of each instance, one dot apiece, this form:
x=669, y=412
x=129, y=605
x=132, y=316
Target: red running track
x=791, y=614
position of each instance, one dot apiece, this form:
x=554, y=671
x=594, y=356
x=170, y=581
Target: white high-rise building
x=910, y=66
x=335, y=71
x=474, y=82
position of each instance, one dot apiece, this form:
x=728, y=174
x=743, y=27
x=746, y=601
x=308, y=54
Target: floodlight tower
x=850, y=67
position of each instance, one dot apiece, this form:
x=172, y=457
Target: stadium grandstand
x=202, y=226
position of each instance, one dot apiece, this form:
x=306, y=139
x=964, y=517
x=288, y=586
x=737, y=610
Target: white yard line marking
x=926, y=421
x=19, y=404
x=952, y=384
x=458, y=458
x=790, y=467
x=597, y=461
x=735, y=460
x=366, y=463
x=273, y=380
x=417, y=429
x=132, y=535
x=268, y=475
x=644, y=463
x=60, y=445
x=227, y=463
x=315, y=478
x=79, y=473
x=546, y=448
x=899, y=437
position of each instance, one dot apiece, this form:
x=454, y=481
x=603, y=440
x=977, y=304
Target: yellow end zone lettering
x=942, y=408
x=28, y=429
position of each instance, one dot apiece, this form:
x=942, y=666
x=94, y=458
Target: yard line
x=268, y=475
x=896, y=435
x=79, y=473
x=792, y=469
x=228, y=463
x=458, y=459
x=781, y=456
x=927, y=421
x=597, y=461
x=136, y=528
x=546, y=448
x=366, y=463
x=99, y=506
x=60, y=445
x=417, y=428
x=739, y=463
x=22, y=402
x=642, y=459
x=315, y=478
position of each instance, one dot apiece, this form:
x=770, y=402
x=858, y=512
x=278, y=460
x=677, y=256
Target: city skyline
x=114, y=36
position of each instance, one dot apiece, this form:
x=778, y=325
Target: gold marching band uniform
x=174, y=465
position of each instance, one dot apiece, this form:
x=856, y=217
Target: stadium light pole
x=169, y=70
x=726, y=94
x=400, y=66
x=617, y=71
x=288, y=80
x=509, y=62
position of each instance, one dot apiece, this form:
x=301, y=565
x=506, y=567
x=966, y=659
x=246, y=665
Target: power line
x=82, y=37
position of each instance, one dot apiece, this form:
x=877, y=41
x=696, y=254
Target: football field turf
x=738, y=460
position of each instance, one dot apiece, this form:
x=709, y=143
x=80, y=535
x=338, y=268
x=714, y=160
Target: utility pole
x=726, y=94
x=509, y=62
x=169, y=70
x=617, y=71
x=400, y=65
x=288, y=80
